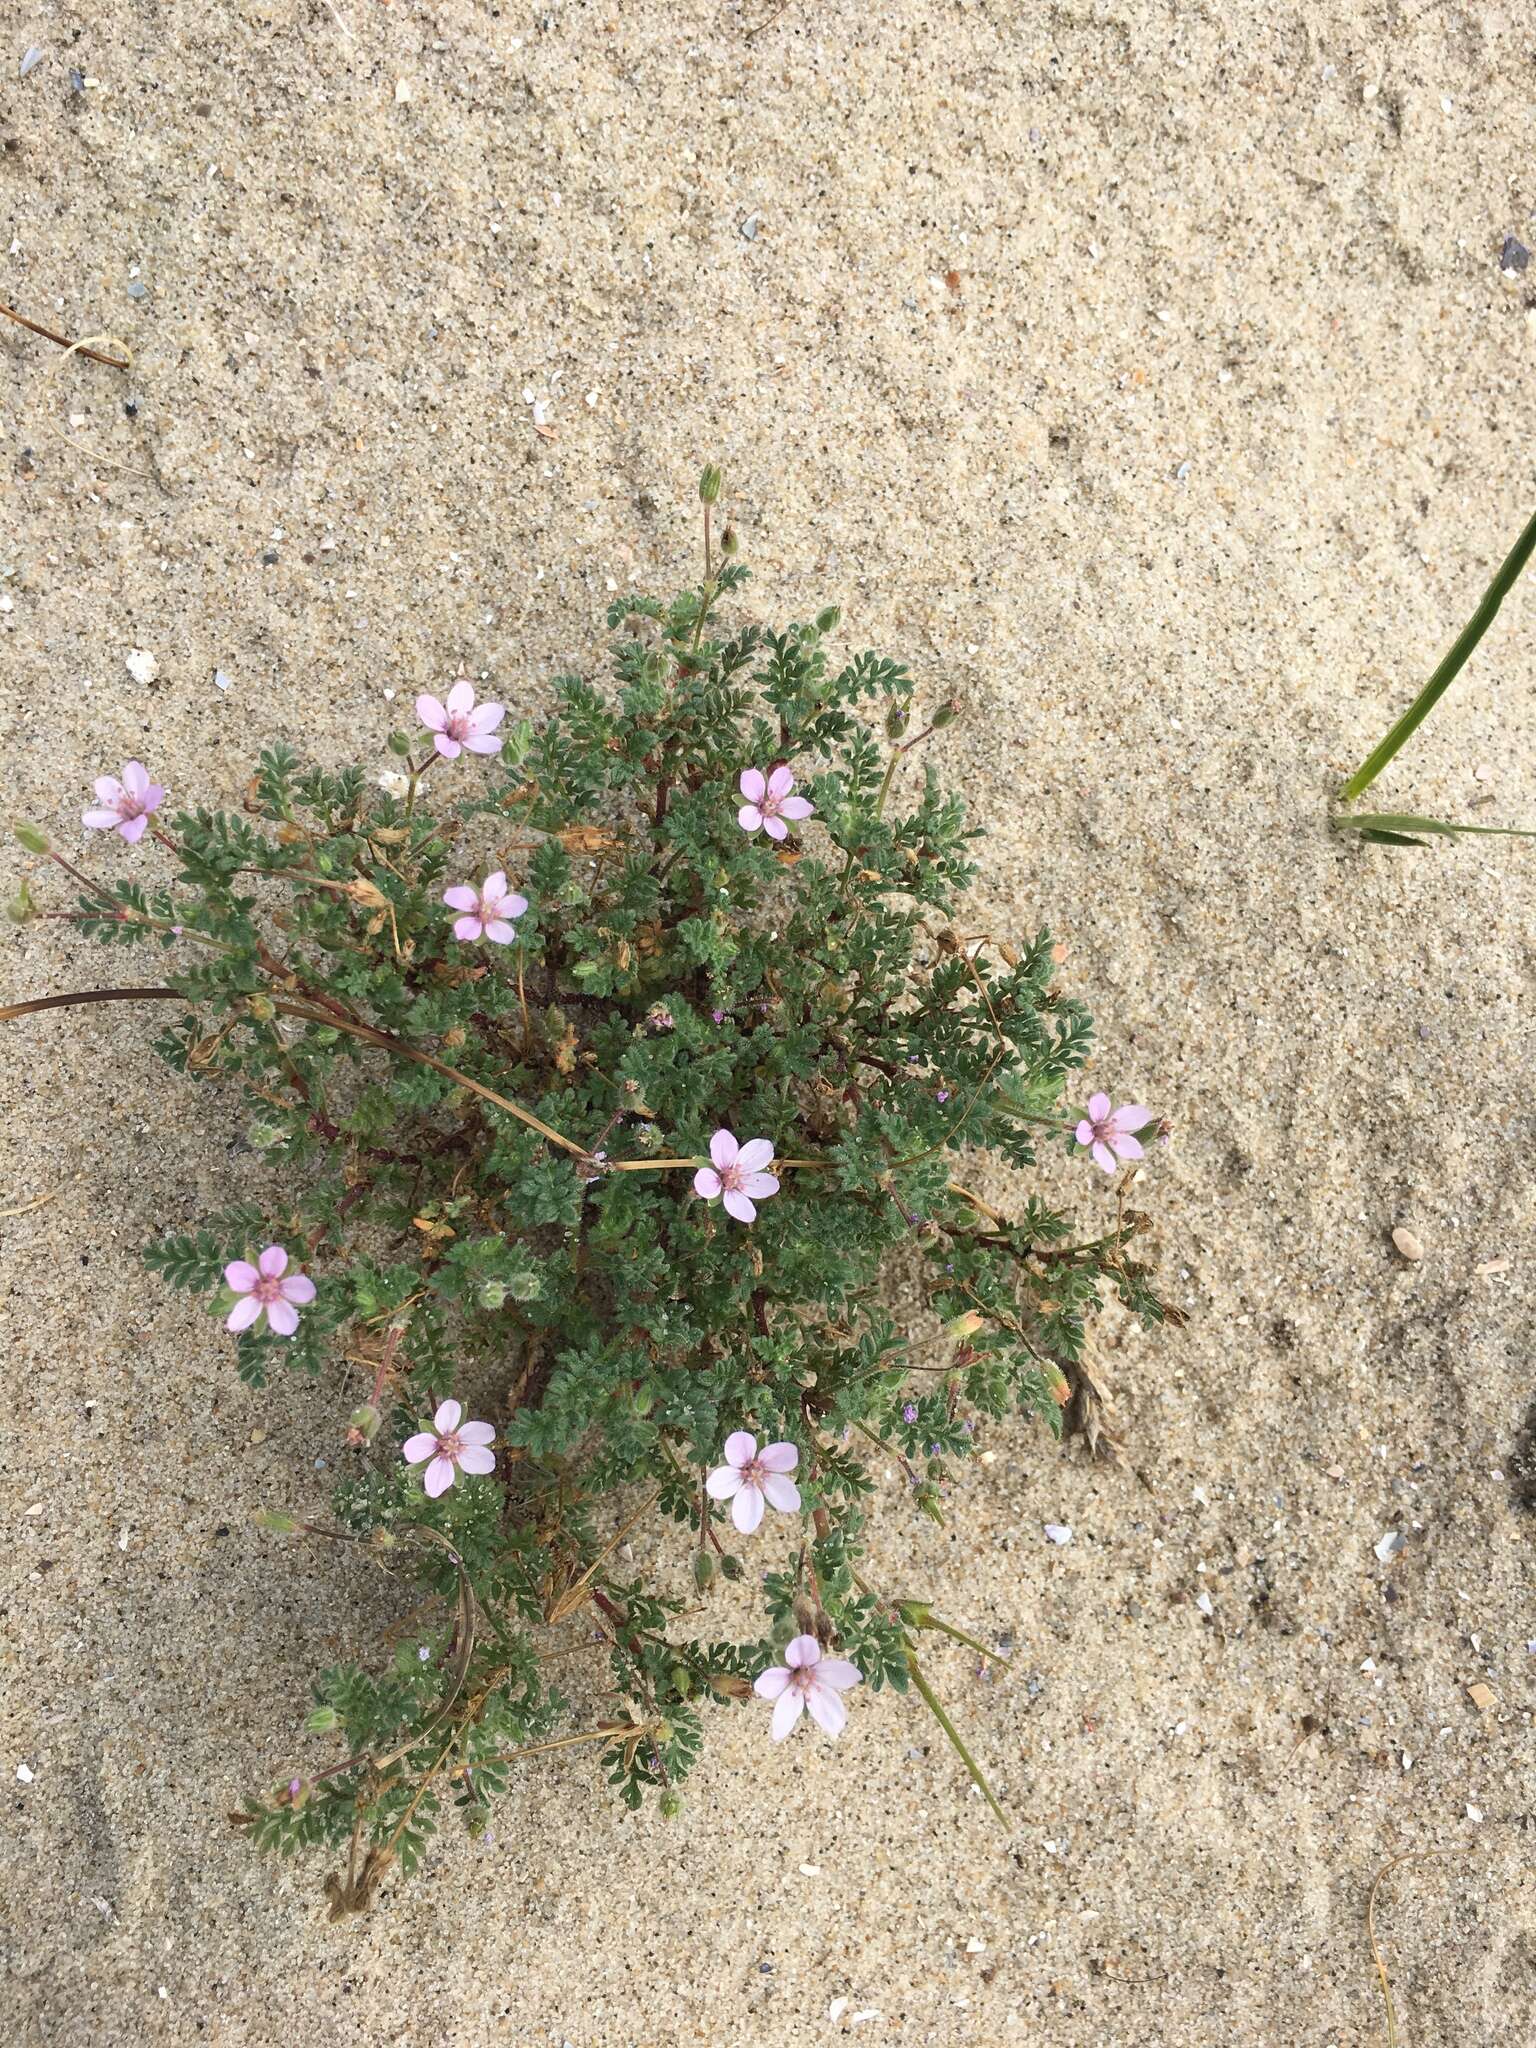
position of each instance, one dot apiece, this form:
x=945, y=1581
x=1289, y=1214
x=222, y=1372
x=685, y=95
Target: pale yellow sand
x=1180, y=481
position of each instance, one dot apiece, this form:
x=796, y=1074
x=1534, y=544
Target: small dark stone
x=222, y=1529
x=77, y=81
x=131, y=407
x=1514, y=255
x=269, y=556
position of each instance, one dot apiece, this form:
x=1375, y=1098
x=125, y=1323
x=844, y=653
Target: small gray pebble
x=749, y=227
x=137, y=288
x=1514, y=255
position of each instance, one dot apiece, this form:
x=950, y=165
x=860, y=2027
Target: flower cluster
x=588, y=1099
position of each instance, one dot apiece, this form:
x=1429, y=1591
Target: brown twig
x=78, y=347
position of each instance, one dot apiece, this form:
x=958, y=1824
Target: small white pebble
x=975, y=1945
x=810, y=1870
x=838, y=2007
x=24, y=1774
x=1445, y=106
x=1204, y=1604
x=30, y=61
x=141, y=665
x=1408, y=1245
x=1388, y=1545
x=404, y=92
x=221, y=681
x=1474, y=1812
x=1058, y=1532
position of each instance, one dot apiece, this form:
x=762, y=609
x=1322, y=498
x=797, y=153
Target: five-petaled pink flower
x=461, y=722
x=267, y=1285
x=488, y=912
x=739, y=1174
x=1107, y=1132
x=807, y=1678
x=749, y=1476
x=453, y=1446
x=769, y=803
x=124, y=806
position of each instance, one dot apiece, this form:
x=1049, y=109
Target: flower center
x=752, y=1474
x=804, y=1678
x=449, y=1447
x=130, y=806
x=458, y=725
x=268, y=1288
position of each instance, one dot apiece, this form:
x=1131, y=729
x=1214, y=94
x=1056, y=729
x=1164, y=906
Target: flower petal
x=467, y=928
x=747, y=1509
x=780, y=782
x=282, y=1317
x=415, y=1448
x=838, y=1672
x=778, y=1457
x=135, y=778
x=448, y=1417
x=243, y=1314
x=740, y=1447
x=706, y=1182
x=737, y=1205
x=461, y=698
x=241, y=1275
x=802, y=1650
x=476, y=1458
x=439, y=1477
x=133, y=829
x=752, y=785
x=100, y=821
x=486, y=717
x=154, y=796
x=760, y=1186
x=1084, y=1132
x=495, y=887
x=1124, y=1147
x=477, y=1433
x=770, y=1683
x=1098, y=1107
x=775, y=828
x=460, y=897
x=723, y=1482
x=723, y=1150
x=499, y=932
x=796, y=808
x=750, y=818
x=827, y=1709
x=1102, y=1156
x=755, y=1154
x=787, y=1711
x=483, y=742
x=299, y=1288
x=449, y=749
x=1131, y=1116
x=273, y=1262
x=110, y=791
x=781, y=1493
x=431, y=713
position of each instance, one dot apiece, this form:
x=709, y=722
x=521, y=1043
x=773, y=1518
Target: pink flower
x=486, y=915
x=1107, y=1132
x=769, y=803
x=461, y=723
x=124, y=806
x=739, y=1174
x=750, y=1475
x=806, y=1678
x=453, y=1446
x=267, y=1285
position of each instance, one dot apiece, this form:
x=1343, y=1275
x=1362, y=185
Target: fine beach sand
x=1147, y=379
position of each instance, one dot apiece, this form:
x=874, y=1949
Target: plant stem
x=931, y=1701
x=90, y=995
x=1449, y=668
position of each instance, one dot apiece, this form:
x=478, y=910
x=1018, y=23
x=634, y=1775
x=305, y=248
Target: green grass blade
x=1392, y=826
x=1449, y=668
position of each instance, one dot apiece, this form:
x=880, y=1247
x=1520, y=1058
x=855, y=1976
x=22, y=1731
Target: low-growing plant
x=591, y=1190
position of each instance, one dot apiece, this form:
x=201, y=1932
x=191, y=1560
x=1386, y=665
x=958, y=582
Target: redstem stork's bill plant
x=604, y=1071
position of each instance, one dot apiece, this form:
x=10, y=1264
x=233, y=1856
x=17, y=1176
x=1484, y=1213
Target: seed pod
x=703, y=1570
x=710, y=480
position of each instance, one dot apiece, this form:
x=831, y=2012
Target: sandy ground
x=1146, y=375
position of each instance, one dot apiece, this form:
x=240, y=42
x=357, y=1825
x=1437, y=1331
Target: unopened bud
x=21, y=909
x=944, y=715
x=670, y=1804
x=730, y=1567
x=275, y=1520
x=32, y=838
x=710, y=481
x=928, y=1501
x=827, y=621
x=729, y=544
x=493, y=1295
x=295, y=1794
x=682, y=1680
x=643, y=1400
x=400, y=744
x=703, y=1570
x=525, y=1286
x=966, y=1325
x=262, y=1008
x=364, y=1422
x=896, y=720
x=321, y=1721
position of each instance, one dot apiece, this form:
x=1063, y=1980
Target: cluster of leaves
x=484, y=1160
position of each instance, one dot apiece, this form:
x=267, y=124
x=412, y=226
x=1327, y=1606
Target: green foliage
x=673, y=975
